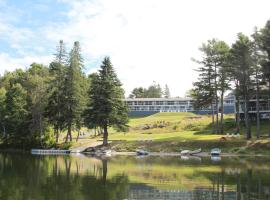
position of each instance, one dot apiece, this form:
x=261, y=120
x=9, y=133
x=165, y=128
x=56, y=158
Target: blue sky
x=147, y=40
x=23, y=24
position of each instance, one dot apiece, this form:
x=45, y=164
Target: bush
x=175, y=127
x=66, y=145
x=48, y=140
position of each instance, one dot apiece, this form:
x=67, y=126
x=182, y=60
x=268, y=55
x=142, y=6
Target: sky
x=147, y=40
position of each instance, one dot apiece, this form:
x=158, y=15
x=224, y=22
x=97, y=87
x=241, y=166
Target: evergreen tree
x=106, y=107
x=37, y=77
x=167, y=93
x=74, y=91
x=3, y=111
x=17, y=115
x=243, y=64
x=139, y=92
x=54, y=110
x=154, y=91
x=258, y=75
x=263, y=40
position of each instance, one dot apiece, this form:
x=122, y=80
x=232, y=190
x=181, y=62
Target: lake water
x=24, y=176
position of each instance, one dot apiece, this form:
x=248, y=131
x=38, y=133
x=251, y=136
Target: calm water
x=79, y=177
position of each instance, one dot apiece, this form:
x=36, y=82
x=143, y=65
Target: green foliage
x=16, y=113
x=75, y=91
x=167, y=93
x=106, y=107
x=153, y=91
x=48, y=140
x=66, y=145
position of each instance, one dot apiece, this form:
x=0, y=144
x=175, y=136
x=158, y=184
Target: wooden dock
x=49, y=152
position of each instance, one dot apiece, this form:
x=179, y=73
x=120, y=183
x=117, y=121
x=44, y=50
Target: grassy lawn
x=168, y=136
x=171, y=132
x=168, y=127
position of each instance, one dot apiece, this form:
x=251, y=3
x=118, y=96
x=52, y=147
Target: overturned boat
x=141, y=152
x=215, y=152
x=188, y=152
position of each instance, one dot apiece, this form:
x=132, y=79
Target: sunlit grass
x=169, y=136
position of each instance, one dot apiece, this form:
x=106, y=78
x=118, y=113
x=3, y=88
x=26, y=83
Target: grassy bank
x=173, y=132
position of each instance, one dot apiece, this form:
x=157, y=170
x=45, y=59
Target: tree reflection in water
x=70, y=177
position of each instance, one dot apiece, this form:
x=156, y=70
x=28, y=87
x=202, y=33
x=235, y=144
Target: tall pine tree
x=74, y=91
x=54, y=110
x=106, y=107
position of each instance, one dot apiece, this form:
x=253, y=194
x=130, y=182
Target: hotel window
x=170, y=102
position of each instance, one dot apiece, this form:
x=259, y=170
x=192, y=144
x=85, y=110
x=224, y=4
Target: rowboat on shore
x=188, y=152
x=141, y=152
x=215, y=152
x=195, y=151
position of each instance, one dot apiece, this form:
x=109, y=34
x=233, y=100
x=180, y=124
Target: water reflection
x=77, y=177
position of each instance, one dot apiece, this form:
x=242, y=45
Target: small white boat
x=195, y=151
x=215, y=152
x=141, y=152
x=188, y=152
x=185, y=152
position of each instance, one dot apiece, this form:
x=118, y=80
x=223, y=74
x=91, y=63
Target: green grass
x=178, y=127
x=181, y=131
x=168, y=136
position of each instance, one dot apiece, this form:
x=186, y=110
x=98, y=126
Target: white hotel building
x=147, y=106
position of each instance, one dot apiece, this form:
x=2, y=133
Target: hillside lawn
x=173, y=132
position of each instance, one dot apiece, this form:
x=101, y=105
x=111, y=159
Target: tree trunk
x=237, y=107
x=222, y=112
x=56, y=133
x=69, y=134
x=257, y=108
x=78, y=136
x=216, y=99
x=4, y=131
x=217, y=124
x=247, y=121
x=105, y=135
x=269, y=107
x=213, y=118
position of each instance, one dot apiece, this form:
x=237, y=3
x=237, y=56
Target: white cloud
x=7, y=63
x=153, y=40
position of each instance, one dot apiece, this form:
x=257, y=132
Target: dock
x=49, y=152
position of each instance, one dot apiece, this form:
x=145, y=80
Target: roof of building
x=160, y=99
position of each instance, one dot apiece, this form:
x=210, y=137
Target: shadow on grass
x=229, y=127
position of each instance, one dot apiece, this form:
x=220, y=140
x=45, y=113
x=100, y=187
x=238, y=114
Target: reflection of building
x=145, y=192
x=146, y=106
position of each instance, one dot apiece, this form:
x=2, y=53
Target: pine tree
x=74, y=91
x=263, y=41
x=56, y=90
x=106, y=107
x=3, y=111
x=242, y=64
x=258, y=75
x=139, y=92
x=167, y=93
